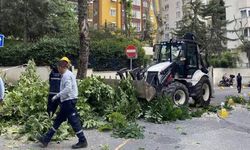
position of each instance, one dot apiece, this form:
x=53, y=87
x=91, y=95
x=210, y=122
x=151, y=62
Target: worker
x=2, y=90
x=54, y=88
x=239, y=82
x=68, y=98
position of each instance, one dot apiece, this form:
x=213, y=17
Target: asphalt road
x=221, y=93
x=206, y=133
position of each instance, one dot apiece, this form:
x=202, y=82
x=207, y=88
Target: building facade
x=111, y=13
x=172, y=13
x=107, y=13
x=238, y=12
x=90, y=10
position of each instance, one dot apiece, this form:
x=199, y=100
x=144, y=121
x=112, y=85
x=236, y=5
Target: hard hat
x=66, y=59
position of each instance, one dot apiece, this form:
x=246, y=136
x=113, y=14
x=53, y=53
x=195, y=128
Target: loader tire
x=203, y=92
x=178, y=92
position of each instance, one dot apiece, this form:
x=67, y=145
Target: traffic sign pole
x=131, y=63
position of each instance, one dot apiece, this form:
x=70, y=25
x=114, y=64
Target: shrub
x=126, y=100
x=97, y=94
x=124, y=129
x=237, y=99
x=26, y=105
x=224, y=60
x=162, y=109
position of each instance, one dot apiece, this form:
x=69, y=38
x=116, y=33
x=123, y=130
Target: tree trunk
x=25, y=31
x=84, y=38
x=147, y=21
x=124, y=3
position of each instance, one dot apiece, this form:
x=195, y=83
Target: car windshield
x=169, y=52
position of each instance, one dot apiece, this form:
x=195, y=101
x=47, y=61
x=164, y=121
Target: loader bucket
x=143, y=89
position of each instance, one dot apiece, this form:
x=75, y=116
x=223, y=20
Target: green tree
x=207, y=22
x=31, y=19
x=215, y=11
x=192, y=21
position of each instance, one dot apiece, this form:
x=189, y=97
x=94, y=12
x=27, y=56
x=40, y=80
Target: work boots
x=44, y=140
x=80, y=144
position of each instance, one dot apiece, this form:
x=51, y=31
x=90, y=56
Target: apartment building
x=111, y=13
x=172, y=13
x=107, y=13
x=140, y=10
x=238, y=11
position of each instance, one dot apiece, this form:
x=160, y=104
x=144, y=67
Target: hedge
x=106, y=54
x=110, y=54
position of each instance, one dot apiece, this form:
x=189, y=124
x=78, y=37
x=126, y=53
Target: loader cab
x=183, y=53
x=167, y=51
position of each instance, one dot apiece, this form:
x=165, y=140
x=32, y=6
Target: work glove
x=54, y=98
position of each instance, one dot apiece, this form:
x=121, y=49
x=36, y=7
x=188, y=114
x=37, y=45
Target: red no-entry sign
x=131, y=51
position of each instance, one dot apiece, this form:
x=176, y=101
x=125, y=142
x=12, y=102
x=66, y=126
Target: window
x=167, y=17
x=113, y=12
x=247, y=32
x=192, y=59
x=136, y=14
x=178, y=24
x=136, y=2
x=137, y=26
x=243, y=13
x=167, y=7
x=178, y=4
x=167, y=27
x=178, y=14
x=249, y=13
x=167, y=36
x=145, y=4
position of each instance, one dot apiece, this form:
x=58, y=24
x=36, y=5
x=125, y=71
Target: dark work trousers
x=239, y=87
x=67, y=112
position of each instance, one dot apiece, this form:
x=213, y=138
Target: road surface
x=206, y=133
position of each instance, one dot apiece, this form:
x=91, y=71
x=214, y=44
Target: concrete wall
x=12, y=74
x=219, y=72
